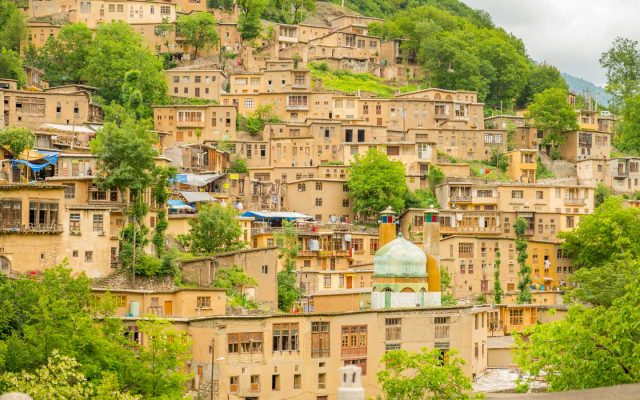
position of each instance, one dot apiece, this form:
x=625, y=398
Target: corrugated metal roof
x=196, y=197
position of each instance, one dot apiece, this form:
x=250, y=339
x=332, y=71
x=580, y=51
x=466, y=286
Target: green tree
x=288, y=247
x=163, y=30
x=416, y=376
x=226, y=56
x=13, y=27
x=448, y=299
x=421, y=198
x=435, y=176
x=622, y=65
x=255, y=122
x=239, y=166
x=376, y=183
x=214, y=230
x=602, y=193
x=11, y=67
x=498, y=292
x=161, y=178
x=552, y=113
x=520, y=227
x=540, y=78
x=628, y=135
x=163, y=358
x=116, y=50
x=125, y=161
x=235, y=280
x=249, y=24
x=63, y=58
x=17, y=140
x=199, y=30
x=591, y=347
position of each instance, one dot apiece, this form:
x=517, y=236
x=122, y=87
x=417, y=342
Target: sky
x=570, y=34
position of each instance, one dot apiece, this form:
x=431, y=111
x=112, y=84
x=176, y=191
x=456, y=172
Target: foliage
x=601, y=193
x=198, y=29
x=17, y=140
x=162, y=358
x=225, y=56
x=542, y=172
x=161, y=177
x=249, y=24
x=116, y=50
x=226, y=5
x=350, y=82
x=13, y=26
x=591, y=347
x=61, y=378
x=499, y=160
x=520, y=227
x=162, y=30
x=622, y=65
x=254, y=122
x=235, y=279
x=239, y=166
x=421, y=198
x=435, y=176
x=540, y=78
x=609, y=234
x=288, y=247
x=498, y=292
x=628, y=137
x=64, y=57
x=448, y=299
x=416, y=376
x=11, y=67
x=290, y=12
x=214, y=230
x=552, y=113
x=375, y=183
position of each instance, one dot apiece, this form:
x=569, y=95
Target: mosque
x=404, y=275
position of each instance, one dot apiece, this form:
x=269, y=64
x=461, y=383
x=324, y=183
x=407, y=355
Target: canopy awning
x=276, y=215
x=44, y=158
x=197, y=180
x=178, y=205
x=196, y=197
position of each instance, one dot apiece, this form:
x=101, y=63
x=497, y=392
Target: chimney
x=350, y=383
x=386, y=227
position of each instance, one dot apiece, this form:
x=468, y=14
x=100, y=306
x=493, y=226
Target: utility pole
x=213, y=360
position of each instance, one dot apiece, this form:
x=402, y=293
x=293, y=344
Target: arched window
x=5, y=265
x=319, y=201
x=302, y=187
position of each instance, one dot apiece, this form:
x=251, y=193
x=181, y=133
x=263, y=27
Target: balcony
x=287, y=39
x=489, y=230
x=16, y=227
x=569, y=201
x=464, y=199
x=620, y=174
x=297, y=107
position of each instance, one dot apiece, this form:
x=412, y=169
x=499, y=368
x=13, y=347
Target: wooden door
x=349, y=282
x=168, y=308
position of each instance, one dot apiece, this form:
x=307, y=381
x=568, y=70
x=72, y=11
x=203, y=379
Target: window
x=238, y=343
x=570, y=221
x=275, y=382
x=393, y=328
x=248, y=103
x=297, y=381
x=120, y=8
x=112, y=8
x=74, y=223
x=255, y=383
x=391, y=347
x=374, y=245
x=120, y=300
x=327, y=281
x=165, y=10
x=516, y=317
x=88, y=256
x=345, y=203
x=234, y=383
x=320, y=343
x=98, y=223
x=265, y=269
x=285, y=337
x=358, y=245
x=354, y=340
x=203, y=302
x=393, y=150
x=318, y=201
x=465, y=250
x=539, y=195
x=322, y=381
x=42, y=214
x=441, y=325
x=302, y=187
x=517, y=194
x=318, y=185
x=11, y=214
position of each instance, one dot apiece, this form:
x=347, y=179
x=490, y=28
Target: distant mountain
x=579, y=86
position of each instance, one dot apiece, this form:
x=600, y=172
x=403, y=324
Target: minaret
x=386, y=227
x=431, y=246
x=350, y=383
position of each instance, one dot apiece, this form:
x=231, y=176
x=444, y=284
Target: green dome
x=400, y=258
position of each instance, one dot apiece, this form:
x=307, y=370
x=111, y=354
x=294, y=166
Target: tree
x=288, y=247
x=498, y=292
x=602, y=193
x=17, y=140
x=116, y=50
x=622, y=65
x=161, y=178
x=125, y=160
x=235, y=280
x=225, y=56
x=591, y=347
x=162, y=358
x=289, y=11
x=520, y=227
x=421, y=198
x=435, y=176
x=540, y=78
x=376, y=183
x=62, y=378
x=214, y=230
x=199, y=30
x=13, y=28
x=249, y=24
x=628, y=137
x=254, y=122
x=416, y=376
x=11, y=67
x=239, y=166
x=63, y=58
x=162, y=30
x=552, y=113
x=448, y=299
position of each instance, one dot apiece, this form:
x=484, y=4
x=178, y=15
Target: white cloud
x=570, y=34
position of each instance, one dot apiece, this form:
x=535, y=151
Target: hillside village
x=279, y=126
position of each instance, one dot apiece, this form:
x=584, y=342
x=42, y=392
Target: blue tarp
x=50, y=158
x=276, y=215
x=178, y=204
